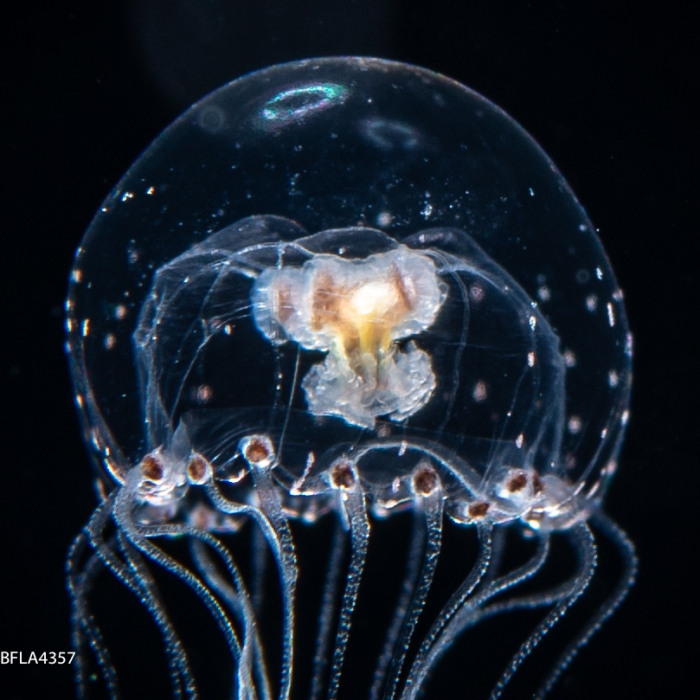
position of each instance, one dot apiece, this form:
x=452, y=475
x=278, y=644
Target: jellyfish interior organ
x=295, y=332
x=356, y=310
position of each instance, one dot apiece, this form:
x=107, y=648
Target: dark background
x=604, y=88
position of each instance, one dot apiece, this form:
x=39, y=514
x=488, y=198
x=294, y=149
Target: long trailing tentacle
x=421, y=667
x=140, y=539
x=177, y=657
x=584, y=543
x=498, y=548
x=473, y=611
x=273, y=523
x=83, y=623
x=243, y=608
x=272, y=508
x=239, y=601
x=85, y=627
x=408, y=588
x=356, y=510
x=432, y=506
x=261, y=556
x=627, y=578
x=328, y=606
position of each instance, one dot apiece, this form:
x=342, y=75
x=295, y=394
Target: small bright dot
x=384, y=219
x=625, y=417
x=480, y=392
x=599, y=273
x=476, y=292
x=574, y=425
x=613, y=378
x=127, y=196
x=120, y=312
x=533, y=322
x=110, y=341
x=531, y=359
x=204, y=393
x=592, y=302
x=384, y=430
x=543, y=293
x=86, y=327
x=151, y=190
x=519, y=440
x=569, y=358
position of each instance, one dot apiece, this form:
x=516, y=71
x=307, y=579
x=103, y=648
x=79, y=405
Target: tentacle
x=273, y=523
x=585, y=546
x=408, y=589
x=241, y=606
x=554, y=595
x=83, y=623
x=432, y=506
x=140, y=539
x=240, y=594
x=328, y=606
x=629, y=574
x=498, y=548
x=275, y=516
x=420, y=667
x=177, y=658
x=356, y=510
x=473, y=611
x=180, y=670
x=261, y=555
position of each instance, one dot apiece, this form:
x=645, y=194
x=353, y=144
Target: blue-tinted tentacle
x=180, y=670
x=239, y=601
x=261, y=557
x=473, y=612
x=476, y=611
x=584, y=543
x=273, y=522
x=177, y=658
x=432, y=506
x=83, y=623
x=328, y=607
x=627, y=578
x=139, y=537
x=272, y=508
x=355, y=508
x=420, y=667
x=408, y=588
x=498, y=548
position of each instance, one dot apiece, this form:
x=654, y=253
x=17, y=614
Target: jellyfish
x=350, y=399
